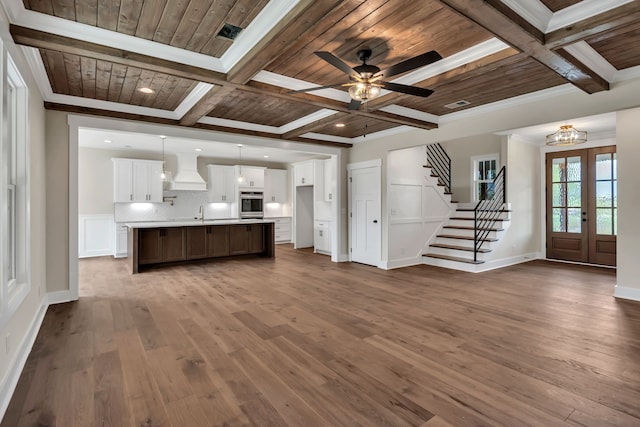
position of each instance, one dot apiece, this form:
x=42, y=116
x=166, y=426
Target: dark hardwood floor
x=300, y=341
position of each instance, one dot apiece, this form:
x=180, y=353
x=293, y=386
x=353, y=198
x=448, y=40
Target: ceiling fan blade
x=409, y=90
x=411, y=64
x=354, y=104
x=319, y=87
x=336, y=62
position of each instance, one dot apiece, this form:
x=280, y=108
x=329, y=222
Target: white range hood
x=187, y=176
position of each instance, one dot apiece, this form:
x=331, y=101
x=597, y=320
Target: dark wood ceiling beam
x=397, y=119
x=331, y=104
x=158, y=120
x=488, y=14
x=333, y=119
x=606, y=22
x=42, y=40
x=281, y=36
x=205, y=105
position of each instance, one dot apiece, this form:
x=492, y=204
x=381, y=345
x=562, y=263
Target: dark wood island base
x=153, y=246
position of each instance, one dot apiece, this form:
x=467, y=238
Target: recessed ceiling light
x=162, y=136
x=108, y=141
x=240, y=145
x=266, y=157
x=198, y=149
x=146, y=90
x=339, y=125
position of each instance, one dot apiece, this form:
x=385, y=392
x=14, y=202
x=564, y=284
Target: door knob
x=375, y=221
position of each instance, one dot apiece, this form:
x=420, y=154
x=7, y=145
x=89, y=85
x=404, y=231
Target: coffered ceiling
x=94, y=56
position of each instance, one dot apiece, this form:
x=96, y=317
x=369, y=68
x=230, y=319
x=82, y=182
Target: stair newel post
x=504, y=185
x=449, y=176
x=475, y=234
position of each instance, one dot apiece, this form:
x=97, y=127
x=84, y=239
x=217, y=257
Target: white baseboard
x=343, y=258
x=9, y=383
x=399, y=263
x=59, y=297
x=627, y=293
x=499, y=263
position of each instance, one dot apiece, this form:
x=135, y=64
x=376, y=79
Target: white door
x=365, y=212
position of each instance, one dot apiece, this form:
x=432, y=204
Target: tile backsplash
x=186, y=205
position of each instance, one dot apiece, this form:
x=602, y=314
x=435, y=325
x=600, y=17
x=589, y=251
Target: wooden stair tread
x=453, y=258
x=458, y=248
x=462, y=227
x=453, y=236
x=472, y=219
x=483, y=210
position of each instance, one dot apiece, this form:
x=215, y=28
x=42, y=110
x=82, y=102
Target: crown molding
x=411, y=113
x=580, y=11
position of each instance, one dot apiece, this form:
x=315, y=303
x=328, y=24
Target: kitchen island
x=163, y=242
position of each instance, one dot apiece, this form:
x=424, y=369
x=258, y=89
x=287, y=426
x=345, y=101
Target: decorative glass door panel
x=582, y=205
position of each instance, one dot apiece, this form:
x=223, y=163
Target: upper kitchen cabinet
x=137, y=181
x=222, y=184
x=252, y=177
x=275, y=186
x=303, y=173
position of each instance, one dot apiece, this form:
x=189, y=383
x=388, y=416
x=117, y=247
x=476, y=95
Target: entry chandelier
x=567, y=135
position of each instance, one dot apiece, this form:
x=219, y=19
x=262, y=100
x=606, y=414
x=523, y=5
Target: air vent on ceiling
x=457, y=104
x=229, y=32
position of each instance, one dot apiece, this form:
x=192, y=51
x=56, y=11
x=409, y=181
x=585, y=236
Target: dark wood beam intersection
x=490, y=14
x=611, y=20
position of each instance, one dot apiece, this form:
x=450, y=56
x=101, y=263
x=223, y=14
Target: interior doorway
x=581, y=193
x=365, y=212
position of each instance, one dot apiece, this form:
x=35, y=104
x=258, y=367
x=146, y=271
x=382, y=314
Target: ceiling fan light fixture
x=566, y=135
x=364, y=91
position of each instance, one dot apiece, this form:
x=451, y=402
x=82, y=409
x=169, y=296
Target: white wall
x=522, y=238
x=22, y=326
x=460, y=151
x=628, y=149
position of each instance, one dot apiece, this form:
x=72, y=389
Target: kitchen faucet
x=201, y=213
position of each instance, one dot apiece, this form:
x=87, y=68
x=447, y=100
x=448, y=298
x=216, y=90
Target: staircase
x=473, y=231
x=454, y=244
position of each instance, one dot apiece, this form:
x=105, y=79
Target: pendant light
x=166, y=175
x=240, y=177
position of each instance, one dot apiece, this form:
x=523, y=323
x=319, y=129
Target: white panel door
x=364, y=188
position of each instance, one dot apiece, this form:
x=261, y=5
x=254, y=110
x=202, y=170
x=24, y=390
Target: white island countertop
x=195, y=222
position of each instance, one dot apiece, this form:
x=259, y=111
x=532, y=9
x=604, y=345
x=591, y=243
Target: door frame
x=597, y=140
x=376, y=163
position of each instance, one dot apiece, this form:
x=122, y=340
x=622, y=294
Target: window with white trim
x=483, y=171
x=14, y=217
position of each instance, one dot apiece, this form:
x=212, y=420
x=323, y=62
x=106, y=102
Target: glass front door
x=582, y=205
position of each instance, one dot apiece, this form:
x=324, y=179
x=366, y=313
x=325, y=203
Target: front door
x=582, y=205
x=365, y=212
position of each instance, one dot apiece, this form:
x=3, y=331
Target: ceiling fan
x=366, y=80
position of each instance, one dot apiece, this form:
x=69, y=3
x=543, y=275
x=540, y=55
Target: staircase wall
x=521, y=241
x=416, y=207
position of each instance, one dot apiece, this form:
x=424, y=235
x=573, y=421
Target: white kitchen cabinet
x=282, y=229
x=275, y=185
x=329, y=180
x=222, y=184
x=322, y=237
x=137, y=181
x=303, y=173
x=122, y=248
x=253, y=177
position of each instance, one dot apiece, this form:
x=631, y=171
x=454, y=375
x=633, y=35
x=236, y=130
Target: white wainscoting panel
x=96, y=235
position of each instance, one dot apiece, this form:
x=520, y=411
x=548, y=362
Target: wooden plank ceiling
x=395, y=30
x=191, y=25
x=556, y=5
